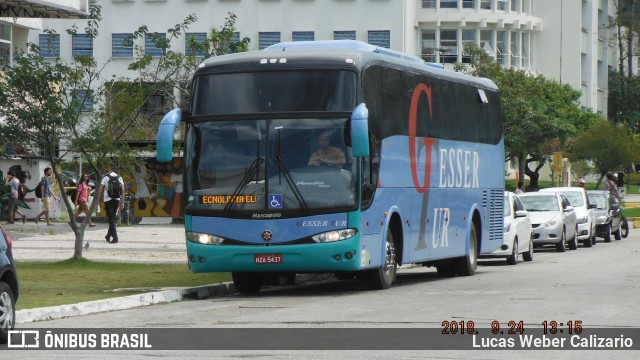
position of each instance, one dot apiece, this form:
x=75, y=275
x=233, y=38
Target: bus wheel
x=247, y=282
x=383, y=277
x=466, y=265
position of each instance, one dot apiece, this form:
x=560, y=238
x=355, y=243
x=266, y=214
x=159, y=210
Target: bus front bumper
x=321, y=257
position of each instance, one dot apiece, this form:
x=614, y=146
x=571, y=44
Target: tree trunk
x=623, y=95
x=533, y=175
x=522, y=158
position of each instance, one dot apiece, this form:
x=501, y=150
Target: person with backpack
x=610, y=186
x=112, y=192
x=46, y=193
x=13, y=183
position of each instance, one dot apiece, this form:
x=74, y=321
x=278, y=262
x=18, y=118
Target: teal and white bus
x=339, y=157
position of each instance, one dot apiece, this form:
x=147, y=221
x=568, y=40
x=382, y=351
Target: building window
x=84, y=97
x=449, y=46
x=81, y=44
x=266, y=39
x=344, y=35
x=380, y=38
x=49, y=45
x=502, y=5
x=525, y=50
x=429, y=46
x=153, y=44
x=428, y=4
x=502, y=49
x=468, y=36
x=302, y=36
x=122, y=45
x=515, y=49
x=515, y=5
x=486, y=42
x=468, y=4
x=448, y=4
x=485, y=4
x=195, y=42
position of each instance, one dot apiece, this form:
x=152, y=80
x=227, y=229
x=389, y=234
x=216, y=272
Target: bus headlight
x=336, y=235
x=202, y=238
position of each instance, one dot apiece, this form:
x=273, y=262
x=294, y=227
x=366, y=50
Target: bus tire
x=467, y=265
x=247, y=282
x=383, y=277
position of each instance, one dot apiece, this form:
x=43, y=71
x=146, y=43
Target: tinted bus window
x=274, y=91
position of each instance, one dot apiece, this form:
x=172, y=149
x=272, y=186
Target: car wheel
x=513, y=258
x=247, y=282
x=573, y=244
x=560, y=247
x=607, y=233
x=589, y=242
x=467, y=265
x=528, y=256
x=624, y=225
x=383, y=277
x=7, y=311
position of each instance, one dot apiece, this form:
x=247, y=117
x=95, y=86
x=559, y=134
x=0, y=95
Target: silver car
x=553, y=219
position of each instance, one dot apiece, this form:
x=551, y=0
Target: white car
x=517, y=232
x=553, y=219
x=584, y=212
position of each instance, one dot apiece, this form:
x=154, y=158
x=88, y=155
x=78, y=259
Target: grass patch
x=631, y=212
x=72, y=281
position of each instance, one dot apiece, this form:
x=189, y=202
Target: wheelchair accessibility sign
x=275, y=201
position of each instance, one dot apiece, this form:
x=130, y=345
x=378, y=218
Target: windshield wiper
x=282, y=169
x=253, y=170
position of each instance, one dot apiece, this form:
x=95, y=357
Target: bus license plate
x=268, y=259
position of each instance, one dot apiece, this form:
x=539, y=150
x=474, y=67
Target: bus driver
x=327, y=155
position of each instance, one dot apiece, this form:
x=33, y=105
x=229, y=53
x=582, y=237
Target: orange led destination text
x=224, y=199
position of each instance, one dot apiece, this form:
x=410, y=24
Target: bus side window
x=371, y=166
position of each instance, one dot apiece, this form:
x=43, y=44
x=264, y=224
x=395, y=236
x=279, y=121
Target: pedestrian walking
x=520, y=187
x=46, y=196
x=12, y=207
x=82, y=198
x=111, y=191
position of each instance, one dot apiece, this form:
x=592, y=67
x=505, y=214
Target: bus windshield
x=269, y=165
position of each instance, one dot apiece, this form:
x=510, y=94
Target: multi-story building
x=566, y=40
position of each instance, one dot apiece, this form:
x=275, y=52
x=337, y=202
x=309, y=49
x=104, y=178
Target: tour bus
x=337, y=157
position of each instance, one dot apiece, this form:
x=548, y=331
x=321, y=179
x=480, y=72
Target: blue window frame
x=49, y=45
x=303, y=36
x=266, y=39
x=381, y=38
x=344, y=35
x=81, y=44
x=150, y=44
x=200, y=38
x=122, y=45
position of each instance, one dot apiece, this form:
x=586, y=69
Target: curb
x=123, y=303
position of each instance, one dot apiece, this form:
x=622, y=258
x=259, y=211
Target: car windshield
x=598, y=199
x=540, y=203
x=575, y=198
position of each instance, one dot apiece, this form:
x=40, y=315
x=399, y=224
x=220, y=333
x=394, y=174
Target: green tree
x=607, y=146
x=42, y=100
x=539, y=113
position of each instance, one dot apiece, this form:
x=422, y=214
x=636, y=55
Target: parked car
x=8, y=287
x=584, y=212
x=553, y=219
x=608, y=214
x=517, y=232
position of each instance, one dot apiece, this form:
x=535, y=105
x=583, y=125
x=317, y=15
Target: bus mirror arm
x=360, y=131
x=164, y=145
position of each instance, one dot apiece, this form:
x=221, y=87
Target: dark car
x=8, y=287
x=608, y=214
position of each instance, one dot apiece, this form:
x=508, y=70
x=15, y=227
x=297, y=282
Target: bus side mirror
x=164, y=145
x=360, y=131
